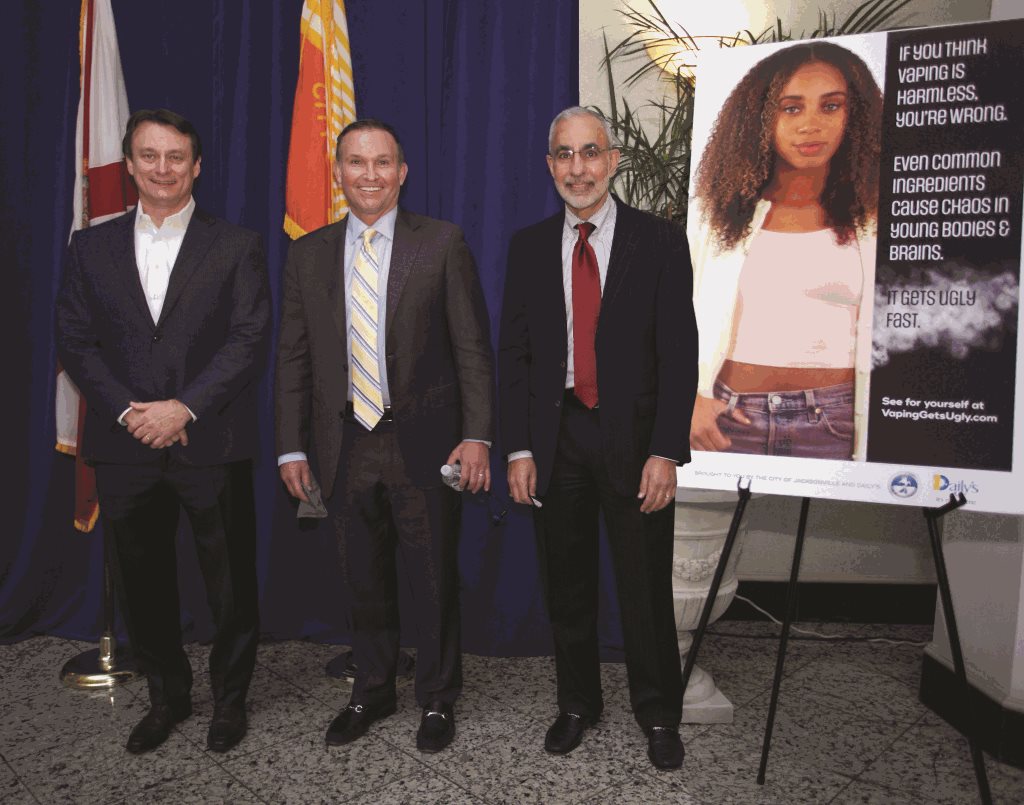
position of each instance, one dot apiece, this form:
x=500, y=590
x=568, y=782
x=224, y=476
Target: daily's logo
x=941, y=483
x=903, y=485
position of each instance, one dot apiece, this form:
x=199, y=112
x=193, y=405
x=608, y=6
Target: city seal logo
x=903, y=485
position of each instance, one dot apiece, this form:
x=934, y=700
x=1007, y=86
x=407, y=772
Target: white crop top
x=798, y=301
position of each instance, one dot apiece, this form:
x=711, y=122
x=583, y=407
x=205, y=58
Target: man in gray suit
x=385, y=369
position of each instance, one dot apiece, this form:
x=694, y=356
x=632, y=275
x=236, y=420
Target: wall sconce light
x=679, y=28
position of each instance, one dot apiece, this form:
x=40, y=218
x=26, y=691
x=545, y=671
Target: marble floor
x=849, y=730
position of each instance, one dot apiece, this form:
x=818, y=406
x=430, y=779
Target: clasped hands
x=158, y=424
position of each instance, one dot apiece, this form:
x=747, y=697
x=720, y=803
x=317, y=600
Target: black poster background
x=984, y=370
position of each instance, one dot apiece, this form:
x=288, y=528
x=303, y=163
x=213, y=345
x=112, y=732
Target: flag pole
x=109, y=665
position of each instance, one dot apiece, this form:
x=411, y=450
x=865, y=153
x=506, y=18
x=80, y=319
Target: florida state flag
x=103, y=190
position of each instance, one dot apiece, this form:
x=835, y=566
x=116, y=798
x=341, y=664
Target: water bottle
x=451, y=474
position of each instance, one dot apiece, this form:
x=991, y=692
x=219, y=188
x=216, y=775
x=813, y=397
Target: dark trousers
x=379, y=515
x=641, y=550
x=140, y=505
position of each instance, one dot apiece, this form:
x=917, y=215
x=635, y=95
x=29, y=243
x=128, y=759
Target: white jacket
x=716, y=279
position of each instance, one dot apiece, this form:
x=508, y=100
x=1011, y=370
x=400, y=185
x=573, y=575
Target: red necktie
x=586, y=305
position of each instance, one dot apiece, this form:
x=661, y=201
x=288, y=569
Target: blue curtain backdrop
x=471, y=88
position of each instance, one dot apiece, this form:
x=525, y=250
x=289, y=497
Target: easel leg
x=716, y=582
x=932, y=517
x=780, y=659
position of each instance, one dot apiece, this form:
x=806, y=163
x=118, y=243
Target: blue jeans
x=813, y=423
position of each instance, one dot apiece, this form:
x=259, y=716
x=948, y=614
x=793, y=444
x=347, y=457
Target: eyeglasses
x=588, y=153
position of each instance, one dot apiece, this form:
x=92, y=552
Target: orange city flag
x=103, y=190
x=324, y=104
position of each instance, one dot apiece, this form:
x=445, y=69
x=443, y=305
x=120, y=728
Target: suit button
x=344, y=366
x=562, y=364
x=156, y=337
x=558, y=403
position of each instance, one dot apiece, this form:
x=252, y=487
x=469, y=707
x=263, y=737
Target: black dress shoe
x=566, y=733
x=437, y=727
x=155, y=726
x=665, y=748
x=353, y=722
x=227, y=728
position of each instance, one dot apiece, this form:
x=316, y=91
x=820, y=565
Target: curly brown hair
x=739, y=160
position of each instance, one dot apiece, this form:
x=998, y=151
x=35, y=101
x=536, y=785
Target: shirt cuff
x=673, y=460
x=289, y=457
x=478, y=441
x=519, y=454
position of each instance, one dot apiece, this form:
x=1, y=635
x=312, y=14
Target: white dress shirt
x=601, y=241
x=156, y=250
x=382, y=243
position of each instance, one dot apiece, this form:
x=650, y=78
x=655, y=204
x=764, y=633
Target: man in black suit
x=385, y=369
x=162, y=322
x=597, y=376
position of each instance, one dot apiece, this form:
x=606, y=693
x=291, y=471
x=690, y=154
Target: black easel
x=730, y=538
x=780, y=658
x=932, y=517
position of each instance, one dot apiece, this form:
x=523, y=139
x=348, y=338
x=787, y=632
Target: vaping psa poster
x=855, y=225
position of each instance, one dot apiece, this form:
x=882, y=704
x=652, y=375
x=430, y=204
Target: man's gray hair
x=580, y=111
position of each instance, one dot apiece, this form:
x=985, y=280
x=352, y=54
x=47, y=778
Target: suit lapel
x=624, y=243
x=331, y=268
x=549, y=279
x=403, y=257
x=126, y=267
x=201, y=232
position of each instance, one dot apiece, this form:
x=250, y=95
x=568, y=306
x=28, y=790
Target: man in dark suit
x=162, y=322
x=384, y=366
x=597, y=375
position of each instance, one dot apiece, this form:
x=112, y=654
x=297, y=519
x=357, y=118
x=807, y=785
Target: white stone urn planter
x=701, y=523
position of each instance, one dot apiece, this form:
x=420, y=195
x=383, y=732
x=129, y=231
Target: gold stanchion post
x=108, y=665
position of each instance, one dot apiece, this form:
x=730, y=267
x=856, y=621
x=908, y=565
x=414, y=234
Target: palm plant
x=654, y=170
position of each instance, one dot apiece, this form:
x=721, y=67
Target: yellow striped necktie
x=367, y=397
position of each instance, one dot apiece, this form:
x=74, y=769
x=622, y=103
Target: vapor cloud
x=985, y=324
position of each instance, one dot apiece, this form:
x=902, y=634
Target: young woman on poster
x=782, y=236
